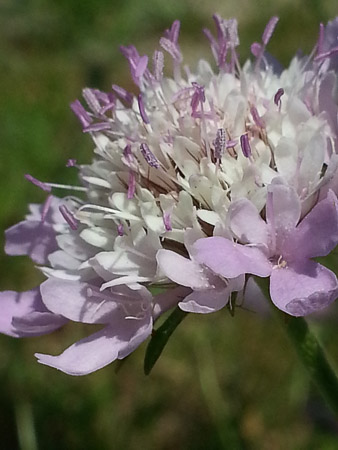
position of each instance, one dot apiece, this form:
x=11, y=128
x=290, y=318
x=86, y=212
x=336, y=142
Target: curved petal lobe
x=101, y=348
x=317, y=234
x=23, y=314
x=33, y=238
x=205, y=301
x=229, y=259
x=304, y=288
x=181, y=270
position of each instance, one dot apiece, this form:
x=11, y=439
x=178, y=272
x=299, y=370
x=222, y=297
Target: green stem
x=313, y=358
x=310, y=353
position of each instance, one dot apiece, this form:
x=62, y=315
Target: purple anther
x=256, y=117
x=127, y=153
x=111, y=105
x=167, y=221
x=149, y=156
x=100, y=126
x=141, y=66
x=231, y=143
x=269, y=29
x=120, y=229
x=91, y=97
x=231, y=27
x=81, y=113
x=173, y=32
x=277, y=97
x=38, y=183
x=246, y=149
x=219, y=143
x=143, y=113
x=131, y=185
x=170, y=42
x=69, y=217
x=256, y=49
x=158, y=61
x=227, y=39
x=71, y=162
x=123, y=94
x=171, y=48
x=137, y=63
x=320, y=39
x=197, y=98
x=45, y=207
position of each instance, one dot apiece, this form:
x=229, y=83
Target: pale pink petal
x=33, y=238
x=87, y=355
x=317, y=234
x=228, y=259
x=205, y=301
x=101, y=348
x=168, y=299
x=82, y=302
x=23, y=314
x=181, y=270
x=49, y=211
x=254, y=299
x=246, y=223
x=283, y=207
x=303, y=288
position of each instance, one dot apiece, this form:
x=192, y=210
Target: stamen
x=69, y=217
x=46, y=207
x=219, y=143
x=142, y=110
x=246, y=149
x=131, y=185
x=269, y=29
x=167, y=220
x=231, y=143
x=170, y=42
x=320, y=39
x=277, y=97
x=44, y=186
x=108, y=106
x=122, y=93
x=71, y=163
x=227, y=39
x=256, y=117
x=82, y=115
x=66, y=186
x=158, y=61
x=120, y=230
x=97, y=127
x=328, y=54
x=141, y=66
x=137, y=63
x=91, y=98
x=198, y=97
x=149, y=156
x=256, y=49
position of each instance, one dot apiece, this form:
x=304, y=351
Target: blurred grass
x=222, y=382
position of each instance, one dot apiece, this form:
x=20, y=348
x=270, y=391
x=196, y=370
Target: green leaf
x=160, y=338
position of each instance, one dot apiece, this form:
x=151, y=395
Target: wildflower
x=280, y=247
x=197, y=180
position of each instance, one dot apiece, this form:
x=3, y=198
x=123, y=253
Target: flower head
x=198, y=179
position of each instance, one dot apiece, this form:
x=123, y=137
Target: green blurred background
x=223, y=382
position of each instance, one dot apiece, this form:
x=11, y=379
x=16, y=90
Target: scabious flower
x=200, y=180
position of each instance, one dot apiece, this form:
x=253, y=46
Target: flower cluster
x=200, y=180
